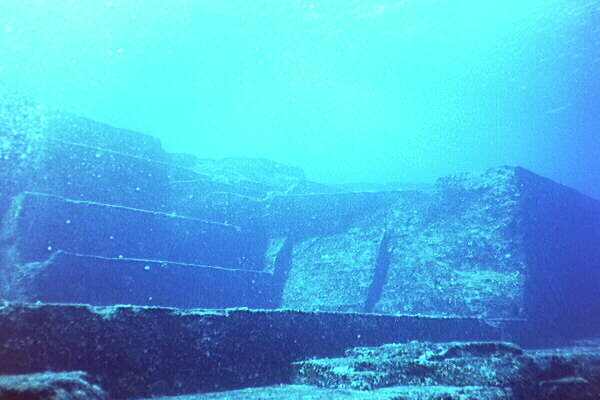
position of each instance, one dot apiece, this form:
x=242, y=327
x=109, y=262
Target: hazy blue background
x=382, y=90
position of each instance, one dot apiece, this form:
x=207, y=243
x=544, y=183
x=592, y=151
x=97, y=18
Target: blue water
x=380, y=91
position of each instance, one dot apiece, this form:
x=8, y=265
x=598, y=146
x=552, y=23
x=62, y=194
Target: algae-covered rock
x=422, y=364
x=150, y=351
x=50, y=386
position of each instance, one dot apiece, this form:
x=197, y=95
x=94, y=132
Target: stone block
x=333, y=272
x=505, y=244
x=39, y=224
x=143, y=351
x=71, y=278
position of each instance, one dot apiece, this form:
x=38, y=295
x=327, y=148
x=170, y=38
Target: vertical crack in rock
x=382, y=264
x=282, y=266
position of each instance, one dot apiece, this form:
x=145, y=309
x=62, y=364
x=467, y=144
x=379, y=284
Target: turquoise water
x=380, y=91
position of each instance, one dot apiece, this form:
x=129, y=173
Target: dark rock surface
x=50, y=386
x=136, y=351
x=73, y=278
x=40, y=224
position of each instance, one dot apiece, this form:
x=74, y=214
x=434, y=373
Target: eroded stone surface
x=422, y=364
x=558, y=373
x=138, y=351
x=50, y=386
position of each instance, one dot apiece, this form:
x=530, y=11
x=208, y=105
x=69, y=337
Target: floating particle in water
x=146, y=268
x=68, y=221
x=49, y=248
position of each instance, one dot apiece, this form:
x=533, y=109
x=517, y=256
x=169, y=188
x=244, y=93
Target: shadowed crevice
x=382, y=264
x=282, y=266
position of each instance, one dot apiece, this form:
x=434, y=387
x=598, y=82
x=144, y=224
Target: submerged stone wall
x=507, y=244
x=140, y=351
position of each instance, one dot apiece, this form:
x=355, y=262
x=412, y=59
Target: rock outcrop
x=139, y=351
x=50, y=386
x=503, y=245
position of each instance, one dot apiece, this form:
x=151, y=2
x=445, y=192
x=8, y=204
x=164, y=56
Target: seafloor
x=127, y=272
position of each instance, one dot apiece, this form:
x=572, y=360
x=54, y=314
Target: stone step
x=71, y=128
x=149, y=351
x=39, y=224
x=74, y=278
x=86, y=172
x=506, y=244
x=329, y=213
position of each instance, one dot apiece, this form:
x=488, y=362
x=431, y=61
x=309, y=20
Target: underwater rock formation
x=439, y=371
x=506, y=244
x=503, y=245
x=136, y=351
x=39, y=224
x=489, y=366
x=50, y=386
x=75, y=278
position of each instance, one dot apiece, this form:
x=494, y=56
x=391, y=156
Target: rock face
x=504, y=245
x=136, y=351
x=50, y=386
x=39, y=224
x=74, y=278
x=507, y=244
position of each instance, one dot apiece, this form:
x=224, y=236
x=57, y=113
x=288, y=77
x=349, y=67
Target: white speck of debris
x=150, y=298
x=49, y=248
x=111, y=237
x=146, y=268
x=68, y=221
x=120, y=256
x=137, y=189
